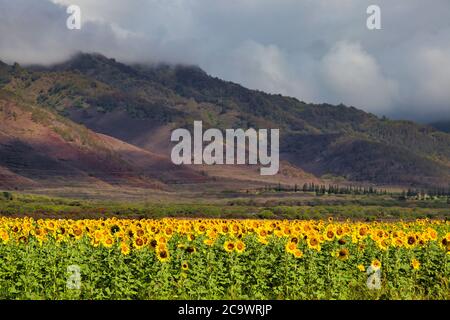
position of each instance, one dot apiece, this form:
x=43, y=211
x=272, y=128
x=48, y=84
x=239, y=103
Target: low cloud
x=267, y=68
x=352, y=75
x=318, y=51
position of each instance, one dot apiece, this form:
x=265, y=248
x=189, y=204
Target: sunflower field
x=223, y=259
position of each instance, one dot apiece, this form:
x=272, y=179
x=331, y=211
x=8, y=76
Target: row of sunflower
x=216, y=259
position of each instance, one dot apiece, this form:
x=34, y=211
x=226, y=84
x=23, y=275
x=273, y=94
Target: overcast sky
x=315, y=50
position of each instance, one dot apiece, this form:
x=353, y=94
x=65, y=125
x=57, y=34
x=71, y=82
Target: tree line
x=324, y=189
x=321, y=189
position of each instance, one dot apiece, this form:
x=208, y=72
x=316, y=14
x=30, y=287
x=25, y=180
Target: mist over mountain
x=318, y=51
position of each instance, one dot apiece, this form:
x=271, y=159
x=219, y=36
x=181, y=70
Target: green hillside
x=133, y=103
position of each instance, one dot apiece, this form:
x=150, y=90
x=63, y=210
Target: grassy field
x=266, y=206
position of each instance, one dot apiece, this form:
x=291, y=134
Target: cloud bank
x=316, y=50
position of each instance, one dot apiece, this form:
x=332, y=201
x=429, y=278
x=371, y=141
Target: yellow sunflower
x=163, y=255
x=411, y=240
x=240, y=246
x=77, y=232
x=191, y=250
x=108, y=241
x=297, y=253
x=228, y=246
x=138, y=243
x=432, y=234
x=184, y=266
x=290, y=247
x=209, y=242
x=124, y=249
x=376, y=264
x=4, y=236
x=415, y=264
x=329, y=233
x=340, y=232
x=263, y=240
x=313, y=243
x=343, y=254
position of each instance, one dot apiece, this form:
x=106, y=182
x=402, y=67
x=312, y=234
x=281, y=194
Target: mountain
x=140, y=105
x=41, y=148
x=442, y=126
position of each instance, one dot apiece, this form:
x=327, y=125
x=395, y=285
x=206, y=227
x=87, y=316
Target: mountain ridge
x=141, y=105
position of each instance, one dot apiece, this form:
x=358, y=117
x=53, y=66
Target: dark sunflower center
x=190, y=250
